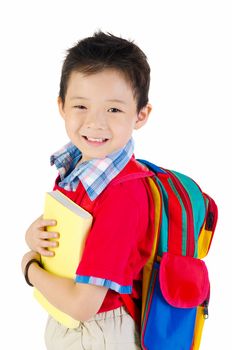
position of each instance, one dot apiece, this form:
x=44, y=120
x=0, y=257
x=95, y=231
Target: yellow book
x=73, y=225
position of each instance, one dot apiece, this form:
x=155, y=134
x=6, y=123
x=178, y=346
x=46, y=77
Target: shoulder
x=132, y=171
x=125, y=198
x=129, y=185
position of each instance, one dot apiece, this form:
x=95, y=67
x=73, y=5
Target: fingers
x=48, y=235
x=46, y=244
x=45, y=252
x=45, y=222
x=39, y=239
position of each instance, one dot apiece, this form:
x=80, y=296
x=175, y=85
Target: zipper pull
x=206, y=311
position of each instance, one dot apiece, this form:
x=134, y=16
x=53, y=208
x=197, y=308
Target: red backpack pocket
x=184, y=280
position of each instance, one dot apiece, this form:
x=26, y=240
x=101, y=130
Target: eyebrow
x=78, y=97
x=110, y=100
x=117, y=100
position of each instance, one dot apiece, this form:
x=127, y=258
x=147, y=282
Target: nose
x=95, y=120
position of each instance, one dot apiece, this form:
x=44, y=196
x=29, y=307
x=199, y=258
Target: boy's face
x=100, y=112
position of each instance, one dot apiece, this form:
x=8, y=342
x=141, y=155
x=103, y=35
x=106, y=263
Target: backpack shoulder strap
x=153, y=167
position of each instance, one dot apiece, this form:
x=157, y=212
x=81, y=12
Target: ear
x=142, y=116
x=61, y=107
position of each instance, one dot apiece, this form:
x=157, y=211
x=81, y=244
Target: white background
x=188, y=44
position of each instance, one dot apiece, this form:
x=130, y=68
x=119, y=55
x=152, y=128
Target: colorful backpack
x=176, y=285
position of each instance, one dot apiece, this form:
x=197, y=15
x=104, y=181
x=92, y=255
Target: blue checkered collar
x=94, y=174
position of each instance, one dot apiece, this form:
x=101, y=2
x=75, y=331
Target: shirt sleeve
x=110, y=257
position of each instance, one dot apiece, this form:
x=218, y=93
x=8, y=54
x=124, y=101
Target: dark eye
x=114, y=110
x=79, y=107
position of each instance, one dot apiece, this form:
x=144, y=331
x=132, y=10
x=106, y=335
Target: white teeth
x=95, y=140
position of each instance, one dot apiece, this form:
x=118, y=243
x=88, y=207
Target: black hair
x=106, y=51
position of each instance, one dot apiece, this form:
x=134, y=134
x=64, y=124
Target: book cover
x=73, y=225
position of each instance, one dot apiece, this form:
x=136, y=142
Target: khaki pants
x=111, y=330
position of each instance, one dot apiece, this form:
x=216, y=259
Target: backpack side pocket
x=173, y=304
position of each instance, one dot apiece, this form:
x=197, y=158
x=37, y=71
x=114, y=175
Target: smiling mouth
x=94, y=140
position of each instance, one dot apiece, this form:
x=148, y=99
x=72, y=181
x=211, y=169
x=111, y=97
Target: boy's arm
x=80, y=301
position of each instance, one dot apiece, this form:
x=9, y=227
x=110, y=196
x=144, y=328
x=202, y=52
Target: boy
x=103, y=97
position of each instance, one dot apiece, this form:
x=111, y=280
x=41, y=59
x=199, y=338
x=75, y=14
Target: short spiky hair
x=104, y=51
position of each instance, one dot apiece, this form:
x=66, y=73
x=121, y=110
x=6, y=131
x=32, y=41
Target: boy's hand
x=38, y=239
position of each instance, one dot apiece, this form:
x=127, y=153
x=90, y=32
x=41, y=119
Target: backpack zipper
x=206, y=309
